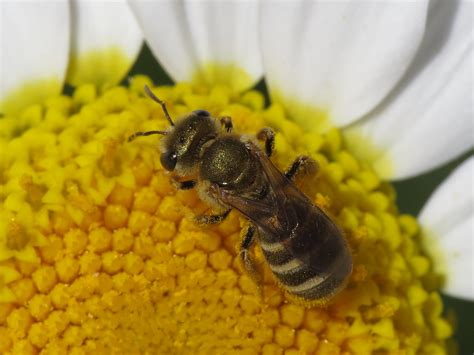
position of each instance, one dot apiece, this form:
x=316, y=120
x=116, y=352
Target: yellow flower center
x=16, y=238
x=121, y=266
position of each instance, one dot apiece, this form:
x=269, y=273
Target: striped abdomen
x=312, y=261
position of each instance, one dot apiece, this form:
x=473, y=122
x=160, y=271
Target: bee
x=303, y=247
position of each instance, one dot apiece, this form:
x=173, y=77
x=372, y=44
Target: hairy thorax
x=228, y=164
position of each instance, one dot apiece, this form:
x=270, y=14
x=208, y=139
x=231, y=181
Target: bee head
x=181, y=146
x=182, y=143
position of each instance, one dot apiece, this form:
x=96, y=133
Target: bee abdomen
x=291, y=272
x=304, y=279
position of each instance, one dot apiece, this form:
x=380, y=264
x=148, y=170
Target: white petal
x=34, y=46
x=105, y=43
x=341, y=57
x=211, y=42
x=428, y=119
x=448, y=218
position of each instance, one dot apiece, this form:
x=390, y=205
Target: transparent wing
x=286, y=213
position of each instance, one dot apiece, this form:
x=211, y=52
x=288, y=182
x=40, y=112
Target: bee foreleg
x=226, y=122
x=212, y=219
x=302, y=162
x=248, y=262
x=183, y=185
x=268, y=136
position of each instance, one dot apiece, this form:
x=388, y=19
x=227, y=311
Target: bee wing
x=304, y=229
x=250, y=207
x=287, y=217
x=275, y=213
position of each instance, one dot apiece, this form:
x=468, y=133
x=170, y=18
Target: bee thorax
x=227, y=163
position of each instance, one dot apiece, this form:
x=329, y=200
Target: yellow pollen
x=16, y=237
x=110, y=162
x=100, y=254
x=35, y=192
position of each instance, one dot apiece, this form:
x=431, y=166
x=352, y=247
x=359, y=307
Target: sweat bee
x=304, y=249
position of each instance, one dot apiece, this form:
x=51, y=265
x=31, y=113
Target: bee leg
x=183, y=185
x=248, y=262
x=268, y=136
x=302, y=162
x=226, y=122
x=212, y=219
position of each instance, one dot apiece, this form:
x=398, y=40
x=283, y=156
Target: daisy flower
x=99, y=252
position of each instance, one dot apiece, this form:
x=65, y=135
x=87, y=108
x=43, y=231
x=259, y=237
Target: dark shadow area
x=413, y=193
x=262, y=87
x=147, y=64
x=464, y=315
x=68, y=89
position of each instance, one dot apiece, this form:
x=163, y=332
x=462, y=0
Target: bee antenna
x=161, y=103
x=144, y=134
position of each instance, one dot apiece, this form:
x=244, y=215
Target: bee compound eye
x=202, y=113
x=168, y=160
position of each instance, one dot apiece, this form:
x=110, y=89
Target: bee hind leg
x=248, y=262
x=301, y=163
x=267, y=135
x=212, y=219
